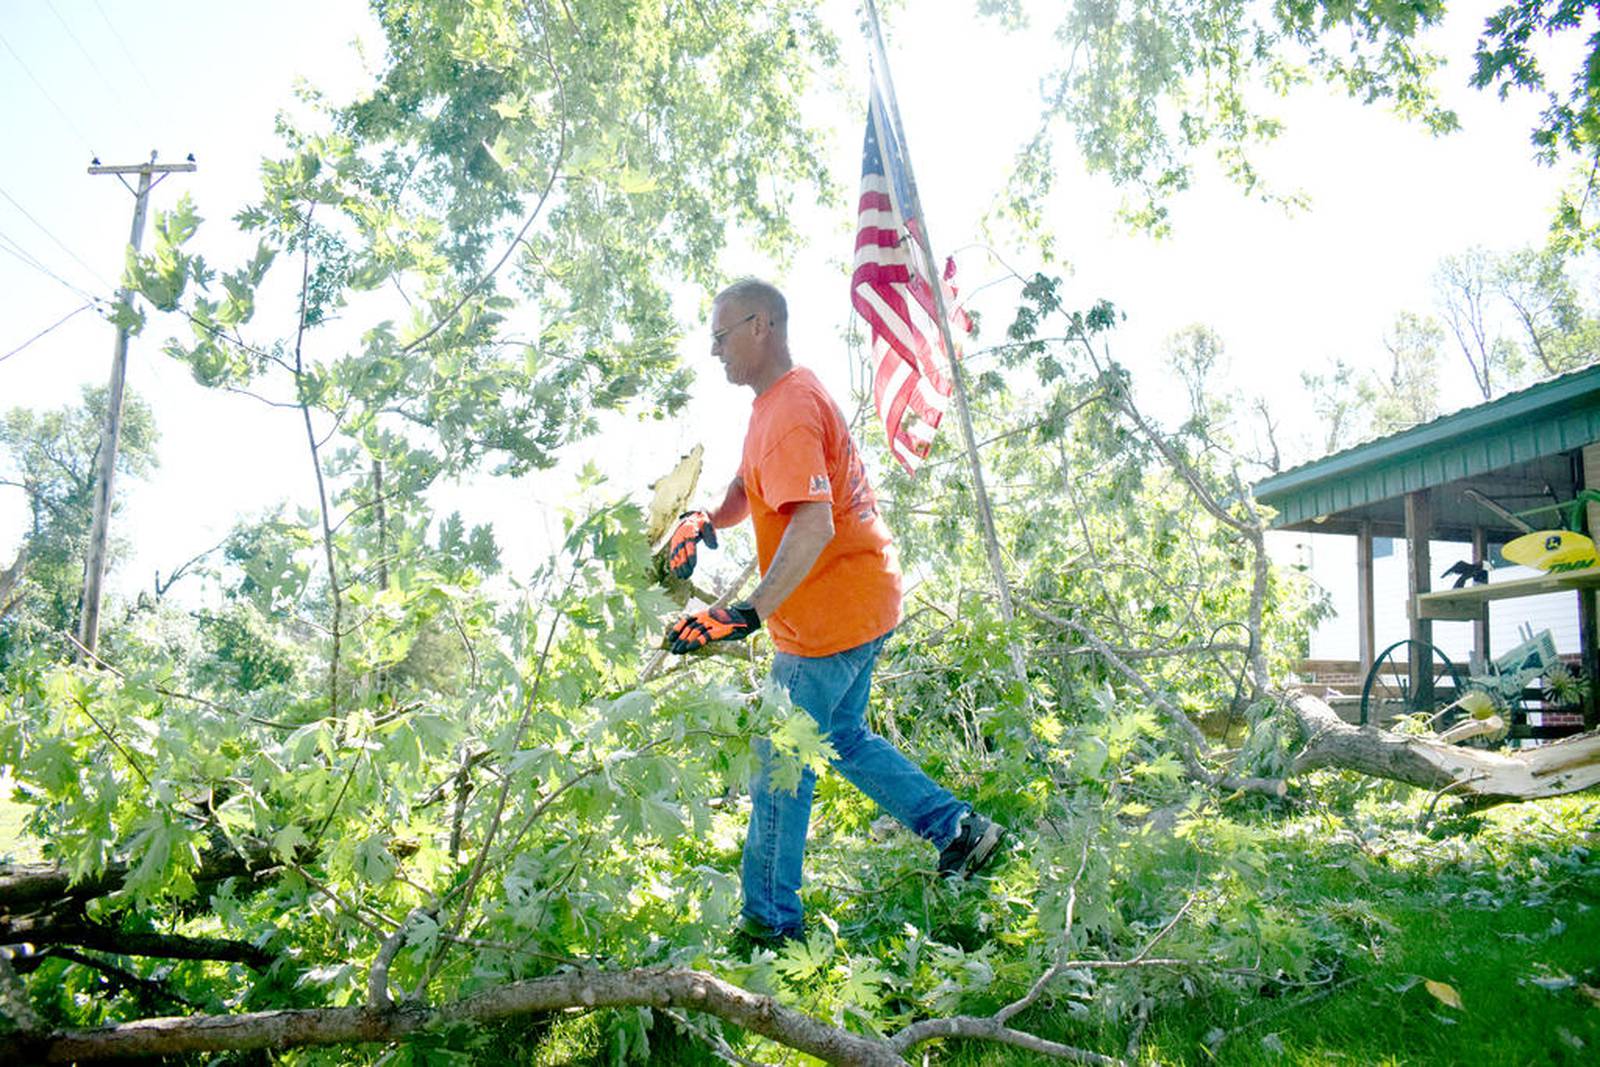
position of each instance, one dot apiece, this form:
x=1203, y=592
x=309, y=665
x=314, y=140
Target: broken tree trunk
x=1566, y=766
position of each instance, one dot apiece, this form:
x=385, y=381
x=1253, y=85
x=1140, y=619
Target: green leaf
x=373, y=860
x=801, y=959
x=797, y=745
x=662, y=817
x=126, y=316
x=634, y=182
x=288, y=841
x=862, y=983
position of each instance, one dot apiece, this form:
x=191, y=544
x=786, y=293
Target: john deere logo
x=1552, y=542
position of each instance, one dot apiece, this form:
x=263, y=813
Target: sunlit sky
x=1286, y=292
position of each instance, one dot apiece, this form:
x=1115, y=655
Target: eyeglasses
x=719, y=336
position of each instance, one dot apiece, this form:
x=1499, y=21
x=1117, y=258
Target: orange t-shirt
x=798, y=449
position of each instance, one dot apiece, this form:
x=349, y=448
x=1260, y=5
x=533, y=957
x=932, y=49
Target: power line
x=11, y=247
x=37, y=264
x=59, y=322
x=58, y=242
x=46, y=94
x=120, y=98
x=125, y=52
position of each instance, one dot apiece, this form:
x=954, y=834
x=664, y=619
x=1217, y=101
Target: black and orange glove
x=698, y=629
x=693, y=527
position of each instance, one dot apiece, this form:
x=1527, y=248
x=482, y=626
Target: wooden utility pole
x=94, y=565
x=936, y=283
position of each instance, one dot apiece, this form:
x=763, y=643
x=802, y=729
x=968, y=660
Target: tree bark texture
x=51, y=931
x=27, y=884
x=691, y=990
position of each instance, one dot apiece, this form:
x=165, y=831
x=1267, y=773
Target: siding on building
x=1331, y=563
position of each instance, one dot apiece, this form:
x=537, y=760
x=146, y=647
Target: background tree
x=50, y=458
x=1342, y=407
x=1559, y=327
x=1199, y=358
x=1408, y=393
x=1465, y=287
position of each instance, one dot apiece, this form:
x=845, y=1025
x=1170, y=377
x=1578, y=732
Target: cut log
x=1566, y=766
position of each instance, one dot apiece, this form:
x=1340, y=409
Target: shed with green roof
x=1481, y=476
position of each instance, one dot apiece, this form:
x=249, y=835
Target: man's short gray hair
x=759, y=296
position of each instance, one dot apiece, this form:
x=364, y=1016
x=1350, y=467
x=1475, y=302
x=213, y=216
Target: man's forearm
x=809, y=531
x=734, y=509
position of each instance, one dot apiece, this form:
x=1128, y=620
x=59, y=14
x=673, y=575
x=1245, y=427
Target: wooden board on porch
x=1471, y=602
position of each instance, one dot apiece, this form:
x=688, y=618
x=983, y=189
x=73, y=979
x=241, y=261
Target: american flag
x=891, y=289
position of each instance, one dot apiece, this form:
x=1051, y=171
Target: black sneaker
x=977, y=840
x=751, y=936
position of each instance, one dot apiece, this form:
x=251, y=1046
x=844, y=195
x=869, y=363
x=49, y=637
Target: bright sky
x=1285, y=292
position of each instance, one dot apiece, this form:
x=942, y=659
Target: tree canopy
x=1146, y=87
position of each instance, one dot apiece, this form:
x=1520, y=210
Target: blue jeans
x=833, y=690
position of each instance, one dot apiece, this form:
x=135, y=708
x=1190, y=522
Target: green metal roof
x=1504, y=441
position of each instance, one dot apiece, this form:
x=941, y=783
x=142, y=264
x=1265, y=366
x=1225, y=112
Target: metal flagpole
x=880, y=64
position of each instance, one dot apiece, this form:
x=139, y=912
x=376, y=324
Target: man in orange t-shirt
x=829, y=595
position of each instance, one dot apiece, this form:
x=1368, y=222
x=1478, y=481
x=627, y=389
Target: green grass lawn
x=1508, y=917
x=1495, y=958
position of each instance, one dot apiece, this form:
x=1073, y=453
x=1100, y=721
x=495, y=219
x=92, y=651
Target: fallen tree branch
x=988, y=1029
x=1252, y=528
x=1566, y=766
x=23, y=886
x=148, y=988
x=1132, y=655
x=995, y=1028
x=1027, y=1000
x=1192, y=743
x=660, y=988
x=135, y=943
x=663, y=989
x=177, y=694
x=378, y=975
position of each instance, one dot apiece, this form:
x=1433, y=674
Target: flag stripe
x=891, y=292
